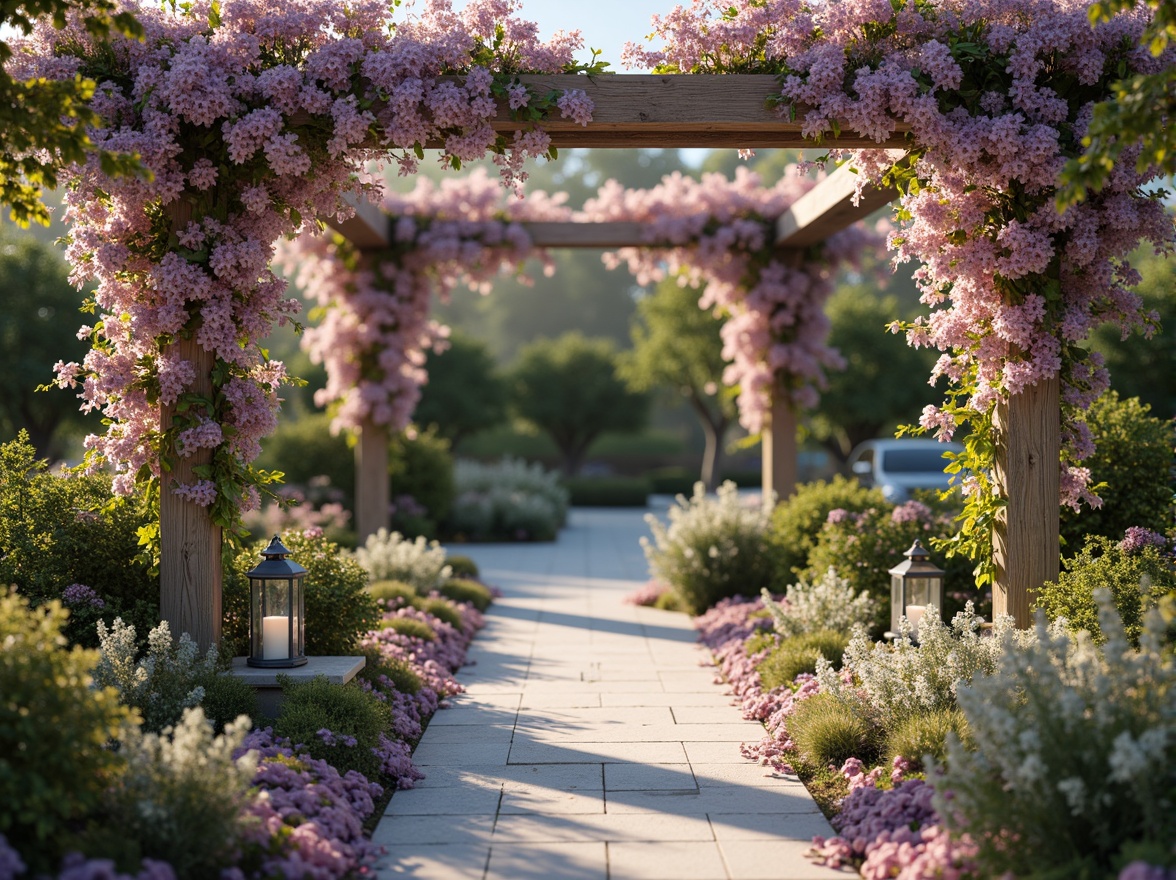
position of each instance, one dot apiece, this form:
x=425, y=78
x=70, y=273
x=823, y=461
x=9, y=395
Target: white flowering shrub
x=161, y=684
x=828, y=603
x=887, y=683
x=1072, y=765
x=508, y=499
x=712, y=548
x=391, y=556
x=180, y=796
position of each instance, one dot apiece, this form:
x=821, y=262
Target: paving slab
x=592, y=740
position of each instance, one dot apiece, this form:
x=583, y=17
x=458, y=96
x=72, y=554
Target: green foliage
x=507, y=500
x=569, y=388
x=797, y=521
x=44, y=121
x=828, y=603
x=1138, y=580
x=38, y=325
x=393, y=594
x=226, y=698
x=399, y=672
x=608, y=491
x=338, y=608
x=179, y=800
x=677, y=346
x=884, y=383
x=670, y=601
x=926, y=733
x=345, y=710
x=161, y=685
x=798, y=654
x=1073, y=749
x=58, y=531
x=54, y=731
x=1134, y=456
x=421, y=468
x=863, y=547
x=464, y=394
x=712, y=549
x=462, y=566
x=305, y=451
x=409, y=626
x=462, y=590
x=826, y=732
x=443, y=610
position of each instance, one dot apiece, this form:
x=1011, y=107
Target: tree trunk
x=714, y=429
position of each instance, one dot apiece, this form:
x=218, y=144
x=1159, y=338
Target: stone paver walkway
x=592, y=741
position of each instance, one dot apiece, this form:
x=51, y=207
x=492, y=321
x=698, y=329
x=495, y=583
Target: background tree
x=676, y=345
x=44, y=122
x=465, y=393
x=569, y=388
x=38, y=327
x=884, y=383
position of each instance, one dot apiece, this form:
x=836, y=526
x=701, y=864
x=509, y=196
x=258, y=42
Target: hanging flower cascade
x=719, y=234
x=997, y=94
x=374, y=329
x=251, y=119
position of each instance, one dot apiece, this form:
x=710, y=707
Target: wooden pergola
x=669, y=111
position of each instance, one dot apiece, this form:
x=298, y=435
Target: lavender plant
x=1074, y=757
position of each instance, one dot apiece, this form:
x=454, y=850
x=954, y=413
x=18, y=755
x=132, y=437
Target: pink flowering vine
x=996, y=95
x=251, y=119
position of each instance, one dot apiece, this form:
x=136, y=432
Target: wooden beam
x=1026, y=549
x=779, y=451
x=367, y=229
x=372, y=492
x=829, y=208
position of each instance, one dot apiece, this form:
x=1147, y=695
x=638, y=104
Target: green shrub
x=608, y=491
x=416, y=561
x=828, y=603
x=1137, y=576
x=1073, y=750
x=825, y=732
x=409, y=626
x=57, y=531
x=54, y=732
x=462, y=590
x=421, y=469
x=462, y=566
x=226, y=697
x=672, y=480
x=798, y=654
x=711, y=549
x=864, y=546
x=443, y=610
x=179, y=799
x=926, y=734
x=338, y=608
x=399, y=672
x=797, y=521
x=507, y=500
x=669, y=601
x=1133, y=455
x=164, y=683
x=345, y=711
x=304, y=449
x=394, y=594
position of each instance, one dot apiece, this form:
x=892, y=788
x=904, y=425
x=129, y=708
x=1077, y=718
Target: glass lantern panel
x=258, y=609
x=918, y=591
x=299, y=649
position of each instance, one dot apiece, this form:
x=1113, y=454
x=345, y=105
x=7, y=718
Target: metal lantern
x=277, y=621
x=914, y=584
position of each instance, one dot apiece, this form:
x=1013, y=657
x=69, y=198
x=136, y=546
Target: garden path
x=592, y=741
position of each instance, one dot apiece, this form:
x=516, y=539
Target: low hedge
x=609, y=491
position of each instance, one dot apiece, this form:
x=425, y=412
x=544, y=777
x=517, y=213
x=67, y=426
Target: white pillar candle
x=914, y=614
x=275, y=638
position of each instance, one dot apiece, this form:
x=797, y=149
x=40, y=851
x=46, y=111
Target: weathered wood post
x=190, y=575
x=779, y=450
x=1026, y=548
x=372, y=491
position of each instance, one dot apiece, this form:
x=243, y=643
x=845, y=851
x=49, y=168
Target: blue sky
x=606, y=24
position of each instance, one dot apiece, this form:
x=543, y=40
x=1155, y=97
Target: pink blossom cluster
x=719, y=233
x=251, y=120
x=647, y=594
x=1014, y=287
x=376, y=330
x=1136, y=538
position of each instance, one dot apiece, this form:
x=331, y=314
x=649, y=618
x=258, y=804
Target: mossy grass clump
x=443, y=610
x=464, y=590
x=354, y=718
x=394, y=594
x=227, y=696
x=409, y=626
x=828, y=731
x=398, y=672
x=798, y=654
x=462, y=566
x=925, y=733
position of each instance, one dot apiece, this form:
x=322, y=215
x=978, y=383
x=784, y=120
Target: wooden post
x=371, y=480
x=779, y=450
x=1026, y=549
x=190, y=575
